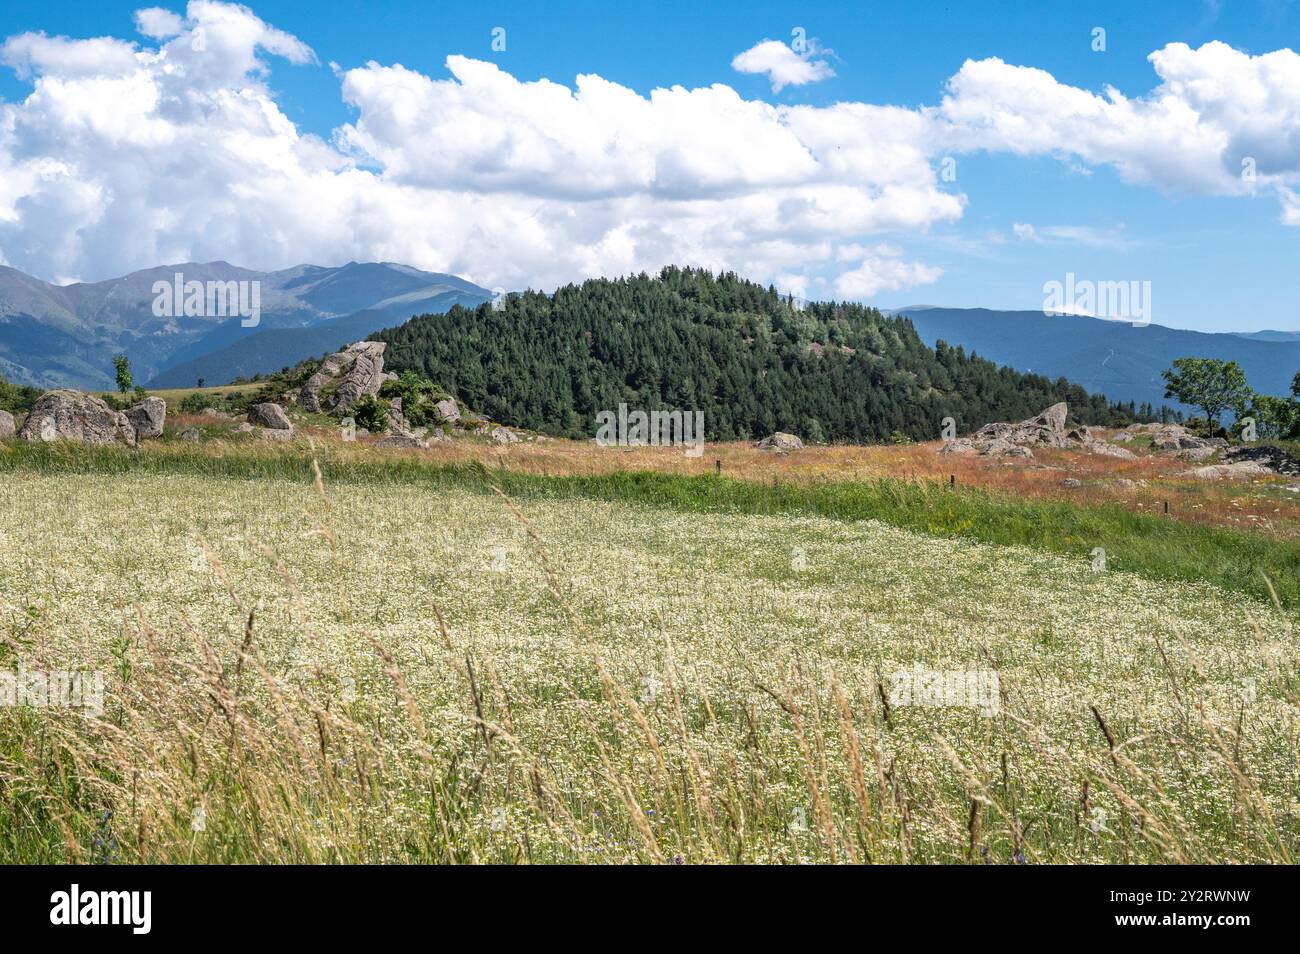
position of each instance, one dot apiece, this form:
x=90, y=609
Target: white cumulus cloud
x=881, y=269
x=127, y=154
x=158, y=23
x=782, y=65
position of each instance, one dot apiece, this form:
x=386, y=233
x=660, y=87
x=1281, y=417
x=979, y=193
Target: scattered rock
x=1000, y=447
x=1197, y=453
x=148, y=418
x=7, y=426
x=400, y=440
x=1071, y=482
x=1169, y=437
x=243, y=428
x=193, y=435
x=397, y=422
x=780, y=442
x=345, y=377
x=274, y=434
x=73, y=416
x=1047, y=429
x=1110, y=450
x=1274, y=458
x=1246, y=468
x=503, y=435
x=269, y=415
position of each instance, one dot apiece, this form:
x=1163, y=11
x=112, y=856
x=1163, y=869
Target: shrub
x=418, y=395
x=370, y=413
x=17, y=398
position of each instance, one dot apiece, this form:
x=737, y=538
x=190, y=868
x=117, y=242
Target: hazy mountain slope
x=67, y=335
x=1109, y=357
x=273, y=349
x=1269, y=335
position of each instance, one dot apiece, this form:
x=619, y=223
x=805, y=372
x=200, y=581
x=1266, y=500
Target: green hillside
x=739, y=352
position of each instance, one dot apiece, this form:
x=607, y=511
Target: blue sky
x=1215, y=260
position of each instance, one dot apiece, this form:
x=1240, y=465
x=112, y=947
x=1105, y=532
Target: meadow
x=332, y=663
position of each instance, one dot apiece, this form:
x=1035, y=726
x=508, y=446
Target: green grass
x=1153, y=546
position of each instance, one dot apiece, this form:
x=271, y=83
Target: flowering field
x=366, y=672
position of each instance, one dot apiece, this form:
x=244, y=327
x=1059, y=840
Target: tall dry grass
x=213, y=752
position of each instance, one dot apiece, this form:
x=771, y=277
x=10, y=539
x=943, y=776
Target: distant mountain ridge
x=1269, y=335
x=1112, y=358
x=65, y=336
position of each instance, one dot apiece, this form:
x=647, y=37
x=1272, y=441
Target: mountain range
x=1113, y=358
x=66, y=335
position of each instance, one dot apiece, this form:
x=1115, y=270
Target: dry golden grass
x=1264, y=505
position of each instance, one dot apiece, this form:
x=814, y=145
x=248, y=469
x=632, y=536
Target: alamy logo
x=970, y=688
x=53, y=689
x=1115, y=301
x=656, y=429
x=212, y=299
x=73, y=907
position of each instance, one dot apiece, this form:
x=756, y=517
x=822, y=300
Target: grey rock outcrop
x=7, y=427
x=344, y=378
x=1046, y=429
x=148, y=418
x=503, y=435
x=73, y=416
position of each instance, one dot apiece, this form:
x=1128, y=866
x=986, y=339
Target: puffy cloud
x=1216, y=113
x=29, y=53
x=882, y=269
x=782, y=65
x=157, y=23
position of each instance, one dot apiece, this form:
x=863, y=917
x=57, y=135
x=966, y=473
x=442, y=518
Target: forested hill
x=737, y=351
